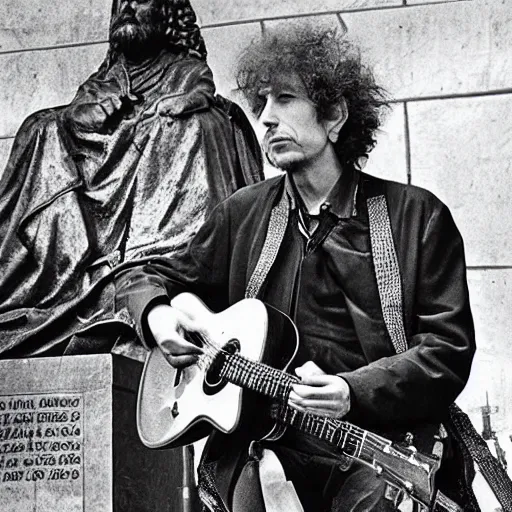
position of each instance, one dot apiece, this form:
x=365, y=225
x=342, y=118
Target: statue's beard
x=134, y=39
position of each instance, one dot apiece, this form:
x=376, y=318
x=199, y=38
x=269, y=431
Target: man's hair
x=331, y=70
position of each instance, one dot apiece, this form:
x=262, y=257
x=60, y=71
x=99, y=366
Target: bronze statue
x=125, y=172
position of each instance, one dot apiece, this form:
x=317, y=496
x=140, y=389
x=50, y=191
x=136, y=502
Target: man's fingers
x=316, y=380
x=307, y=369
x=186, y=322
x=312, y=405
x=312, y=391
x=181, y=361
x=179, y=346
x=319, y=411
x=303, y=391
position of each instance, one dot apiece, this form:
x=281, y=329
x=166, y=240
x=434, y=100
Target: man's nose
x=268, y=116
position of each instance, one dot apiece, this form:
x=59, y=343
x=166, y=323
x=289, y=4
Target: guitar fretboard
x=258, y=377
x=350, y=439
x=261, y=378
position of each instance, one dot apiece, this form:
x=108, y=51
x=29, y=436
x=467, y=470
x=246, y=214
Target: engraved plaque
x=41, y=452
x=69, y=443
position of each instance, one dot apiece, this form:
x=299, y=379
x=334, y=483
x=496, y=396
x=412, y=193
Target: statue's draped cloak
x=77, y=206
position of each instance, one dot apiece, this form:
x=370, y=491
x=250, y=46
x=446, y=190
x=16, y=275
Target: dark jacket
x=392, y=390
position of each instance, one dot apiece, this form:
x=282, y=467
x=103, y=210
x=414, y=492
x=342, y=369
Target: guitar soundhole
x=213, y=382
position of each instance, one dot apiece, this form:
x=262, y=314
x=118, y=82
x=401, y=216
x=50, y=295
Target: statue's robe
x=76, y=206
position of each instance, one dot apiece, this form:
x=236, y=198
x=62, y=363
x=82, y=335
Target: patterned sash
x=275, y=234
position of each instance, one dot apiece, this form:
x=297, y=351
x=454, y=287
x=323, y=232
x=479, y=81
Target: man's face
x=294, y=136
x=138, y=25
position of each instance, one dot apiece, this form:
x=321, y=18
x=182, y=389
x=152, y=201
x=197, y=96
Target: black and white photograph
x=255, y=256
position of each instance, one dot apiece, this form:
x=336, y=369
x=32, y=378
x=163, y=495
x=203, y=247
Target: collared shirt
x=310, y=260
x=341, y=199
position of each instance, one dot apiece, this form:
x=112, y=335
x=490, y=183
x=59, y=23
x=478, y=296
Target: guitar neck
x=402, y=468
x=261, y=378
x=351, y=440
x=257, y=377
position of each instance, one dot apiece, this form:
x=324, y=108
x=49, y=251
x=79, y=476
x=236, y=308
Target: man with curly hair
x=306, y=243
x=128, y=170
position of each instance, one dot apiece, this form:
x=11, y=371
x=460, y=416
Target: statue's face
x=138, y=26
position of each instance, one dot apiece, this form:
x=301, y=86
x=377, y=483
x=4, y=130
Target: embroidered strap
x=475, y=448
x=387, y=271
x=207, y=488
x=275, y=234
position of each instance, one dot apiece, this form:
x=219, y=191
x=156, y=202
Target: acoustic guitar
x=242, y=373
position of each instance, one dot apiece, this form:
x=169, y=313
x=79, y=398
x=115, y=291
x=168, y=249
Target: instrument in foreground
x=231, y=381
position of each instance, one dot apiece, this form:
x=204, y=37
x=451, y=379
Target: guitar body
x=252, y=345
x=178, y=407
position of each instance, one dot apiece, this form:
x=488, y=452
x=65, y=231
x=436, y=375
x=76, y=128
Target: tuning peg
x=409, y=439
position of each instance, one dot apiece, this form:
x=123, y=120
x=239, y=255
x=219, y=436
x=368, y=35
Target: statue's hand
x=93, y=116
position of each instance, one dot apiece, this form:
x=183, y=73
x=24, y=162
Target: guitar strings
x=374, y=441
x=213, y=350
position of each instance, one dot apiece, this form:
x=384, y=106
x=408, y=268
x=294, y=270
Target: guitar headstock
x=408, y=469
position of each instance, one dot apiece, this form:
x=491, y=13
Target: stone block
x=461, y=149
x=5, y=150
x=225, y=11
x=42, y=79
x=437, y=49
x=417, y=2
x=28, y=24
x=224, y=45
x=388, y=159
x=68, y=439
x=326, y=21
x=491, y=295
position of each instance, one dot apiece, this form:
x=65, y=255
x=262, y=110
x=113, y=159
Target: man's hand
x=167, y=325
x=319, y=393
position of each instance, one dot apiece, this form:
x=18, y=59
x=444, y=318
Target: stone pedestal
x=68, y=439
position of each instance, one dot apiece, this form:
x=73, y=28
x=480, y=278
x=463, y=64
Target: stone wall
x=448, y=64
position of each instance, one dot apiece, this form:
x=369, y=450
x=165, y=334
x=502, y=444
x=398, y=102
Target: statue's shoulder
x=187, y=66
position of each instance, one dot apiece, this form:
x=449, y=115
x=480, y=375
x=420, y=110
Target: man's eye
x=257, y=107
x=286, y=96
